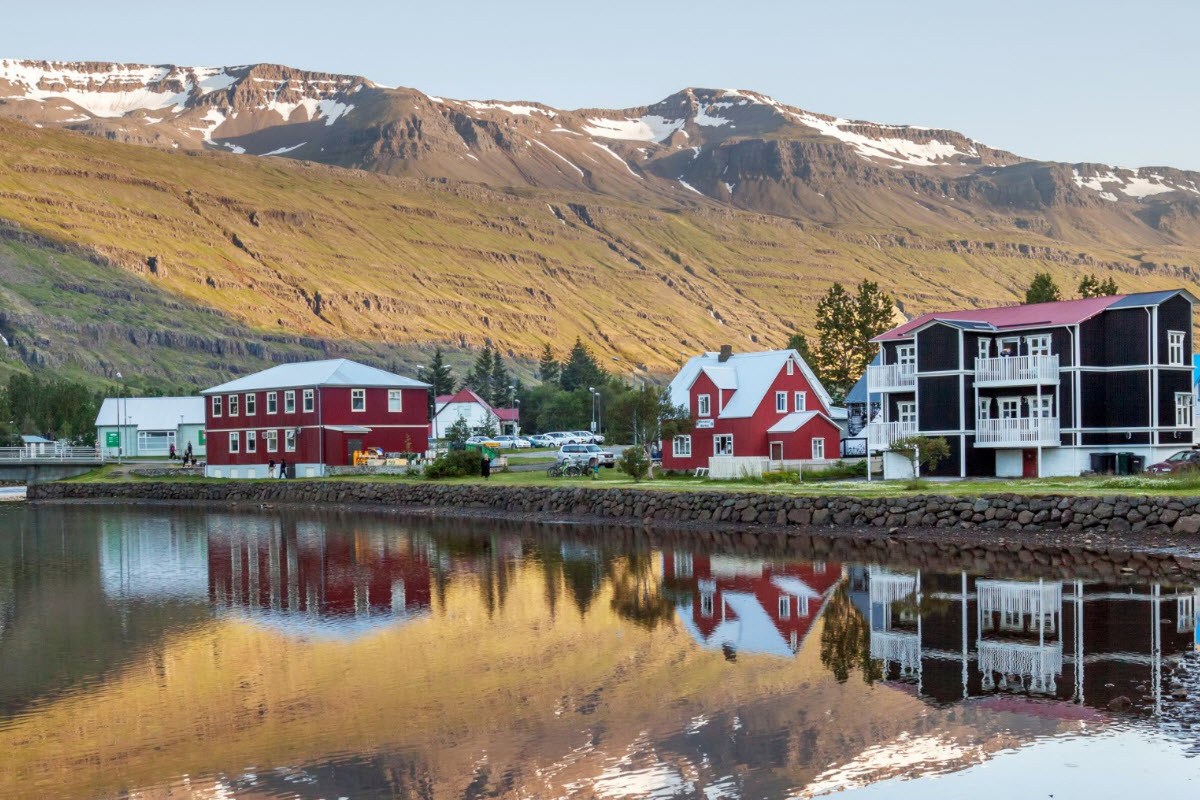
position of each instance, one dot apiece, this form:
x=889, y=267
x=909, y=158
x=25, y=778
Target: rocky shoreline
x=1117, y=514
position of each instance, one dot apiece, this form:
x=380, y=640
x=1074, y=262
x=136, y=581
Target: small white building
x=475, y=411
x=148, y=426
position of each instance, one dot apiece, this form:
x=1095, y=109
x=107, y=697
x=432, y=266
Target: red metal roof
x=1064, y=312
x=508, y=414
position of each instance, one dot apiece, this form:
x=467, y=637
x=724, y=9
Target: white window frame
x=251, y=441
x=791, y=366
x=719, y=442
x=234, y=405
x=785, y=606
x=272, y=402
x=309, y=399
x=289, y=402
x=984, y=408
x=1009, y=341
x=684, y=451
x=682, y=562
x=235, y=442
x=398, y=397
x=250, y=403
x=906, y=411
x=906, y=354
x=1009, y=404
x=1047, y=406
x=800, y=401
x=985, y=347
x=781, y=402
x=216, y=405
x=818, y=448
x=1184, y=405
x=358, y=396
x=289, y=440
x=1175, y=342
x=704, y=405
x=1038, y=345
x=707, y=604
x=272, y=438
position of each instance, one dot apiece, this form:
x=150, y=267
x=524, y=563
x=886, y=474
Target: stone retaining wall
x=1003, y=511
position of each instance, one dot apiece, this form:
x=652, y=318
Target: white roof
x=151, y=413
x=751, y=375
x=794, y=421
x=749, y=630
x=336, y=372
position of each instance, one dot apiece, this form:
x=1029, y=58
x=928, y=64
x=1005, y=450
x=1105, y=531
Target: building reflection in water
x=297, y=577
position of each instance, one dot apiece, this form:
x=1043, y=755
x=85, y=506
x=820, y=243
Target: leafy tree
x=459, y=432
x=1043, y=289
x=634, y=463
x=922, y=451
x=649, y=416
x=548, y=367
x=846, y=324
x=1091, y=286
x=488, y=428
x=580, y=369
x=799, y=343
x=637, y=595
x=846, y=639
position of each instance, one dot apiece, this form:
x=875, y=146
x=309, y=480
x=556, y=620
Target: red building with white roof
x=311, y=415
x=766, y=405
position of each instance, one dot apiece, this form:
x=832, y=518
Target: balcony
x=1017, y=432
x=1016, y=371
x=891, y=378
x=882, y=435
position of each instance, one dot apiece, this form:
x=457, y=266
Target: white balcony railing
x=1016, y=432
x=49, y=452
x=1016, y=370
x=891, y=377
x=882, y=435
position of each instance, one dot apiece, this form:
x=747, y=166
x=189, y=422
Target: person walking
x=271, y=468
x=188, y=454
x=282, y=470
x=171, y=455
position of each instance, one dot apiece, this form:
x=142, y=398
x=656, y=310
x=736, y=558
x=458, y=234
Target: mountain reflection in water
x=166, y=653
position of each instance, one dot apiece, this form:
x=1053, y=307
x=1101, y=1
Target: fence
x=48, y=452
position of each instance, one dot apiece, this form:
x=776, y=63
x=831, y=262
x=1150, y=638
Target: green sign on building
x=112, y=439
x=201, y=438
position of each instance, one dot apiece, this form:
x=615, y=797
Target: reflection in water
x=170, y=654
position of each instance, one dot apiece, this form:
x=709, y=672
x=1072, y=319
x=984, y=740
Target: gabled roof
x=335, y=372
x=749, y=375
x=151, y=413
x=462, y=396
x=1035, y=315
x=795, y=421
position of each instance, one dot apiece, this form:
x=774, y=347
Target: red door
x=1029, y=464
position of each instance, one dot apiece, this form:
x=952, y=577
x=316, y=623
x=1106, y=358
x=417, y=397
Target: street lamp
x=592, y=389
x=118, y=410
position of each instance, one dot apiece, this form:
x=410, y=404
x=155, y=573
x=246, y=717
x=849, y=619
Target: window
x=1010, y=346
x=800, y=401
x=272, y=402
x=235, y=442
x=906, y=355
x=309, y=402
x=251, y=442
x=272, y=438
x=791, y=367
x=985, y=347
x=723, y=444
x=251, y=405
x=358, y=399
x=1041, y=406
x=985, y=408
x=1038, y=345
x=233, y=405
x=802, y=606
x=818, y=448
x=289, y=441
x=1183, y=409
x=155, y=442
x=682, y=561
x=289, y=402
x=681, y=447
x=704, y=405
x=395, y=401
x=785, y=607
x=1010, y=407
x=216, y=406
x=706, y=604
x=907, y=411
x=781, y=402
x=1175, y=347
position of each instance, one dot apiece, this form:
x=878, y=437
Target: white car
x=562, y=437
x=587, y=437
x=512, y=442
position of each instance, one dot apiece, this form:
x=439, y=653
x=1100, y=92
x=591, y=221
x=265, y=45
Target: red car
x=1181, y=461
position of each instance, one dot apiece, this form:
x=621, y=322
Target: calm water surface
x=161, y=653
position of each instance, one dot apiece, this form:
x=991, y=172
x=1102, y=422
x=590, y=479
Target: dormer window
x=704, y=405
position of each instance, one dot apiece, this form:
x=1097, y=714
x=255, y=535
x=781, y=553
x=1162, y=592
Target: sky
x=1101, y=81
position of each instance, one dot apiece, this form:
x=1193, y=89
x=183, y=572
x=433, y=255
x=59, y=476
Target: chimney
x=726, y=352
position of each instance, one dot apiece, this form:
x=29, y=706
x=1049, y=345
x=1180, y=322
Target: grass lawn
x=1186, y=484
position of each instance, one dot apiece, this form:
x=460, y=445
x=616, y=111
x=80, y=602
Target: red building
x=311, y=415
x=766, y=405
x=749, y=605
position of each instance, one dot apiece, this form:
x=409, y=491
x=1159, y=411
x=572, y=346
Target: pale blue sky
x=1105, y=81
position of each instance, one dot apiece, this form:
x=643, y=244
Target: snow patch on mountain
x=519, y=110
x=1129, y=184
x=905, y=151
x=618, y=158
x=649, y=128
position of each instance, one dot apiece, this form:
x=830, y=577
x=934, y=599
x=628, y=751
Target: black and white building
x=1035, y=390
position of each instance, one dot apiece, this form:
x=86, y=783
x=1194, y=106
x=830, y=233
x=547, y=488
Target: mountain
x=387, y=221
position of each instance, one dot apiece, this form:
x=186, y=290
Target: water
x=160, y=653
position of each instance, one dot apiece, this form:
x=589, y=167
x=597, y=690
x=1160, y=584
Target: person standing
x=271, y=468
x=485, y=465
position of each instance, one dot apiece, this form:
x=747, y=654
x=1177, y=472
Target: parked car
x=1180, y=462
x=577, y=454
x=562, y=437
x=485, y=441
x=607, y=457
x=543, y=440
x=511, y=442
x=587, y=437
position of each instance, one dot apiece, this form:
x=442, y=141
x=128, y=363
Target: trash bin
x=1123, y=464
x=1104, y=463
x=1137, y=464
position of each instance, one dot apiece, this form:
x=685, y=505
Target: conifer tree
x=1043, y=289
x=548, y=367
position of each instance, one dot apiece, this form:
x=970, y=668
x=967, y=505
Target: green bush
x=633, y=462
x=782, y=476
x=455, y=464
x=838, y=471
